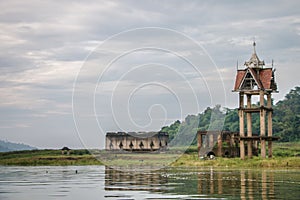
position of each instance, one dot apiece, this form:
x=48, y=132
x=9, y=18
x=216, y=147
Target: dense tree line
x=286, y=119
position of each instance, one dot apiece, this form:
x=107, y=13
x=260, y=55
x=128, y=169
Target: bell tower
x=255, y=79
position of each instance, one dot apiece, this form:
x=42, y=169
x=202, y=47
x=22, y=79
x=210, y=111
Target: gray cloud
x=44, y=45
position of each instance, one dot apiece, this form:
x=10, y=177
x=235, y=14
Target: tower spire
x=254, y=61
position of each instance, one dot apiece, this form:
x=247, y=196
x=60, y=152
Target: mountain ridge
x=6, y=146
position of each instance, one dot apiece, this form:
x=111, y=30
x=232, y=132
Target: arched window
x=121, y=145
x=226, y=154
x=131, y=145
x=141, y=145
x=210, y=154
x=151, y=145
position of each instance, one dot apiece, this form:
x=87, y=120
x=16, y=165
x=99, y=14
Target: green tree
x=287, y=117
x=172, y=130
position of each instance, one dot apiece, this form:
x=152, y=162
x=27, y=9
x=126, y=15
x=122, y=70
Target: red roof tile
x=263, y=81
x=265, y=76
x=239, y=77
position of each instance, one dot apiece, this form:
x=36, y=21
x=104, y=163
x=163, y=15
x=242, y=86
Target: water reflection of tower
x=246, y=184
x=130, y=180
x=267, y=185
x=211, y=182
x=254, y=184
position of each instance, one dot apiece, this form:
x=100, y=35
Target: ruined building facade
x=142, y=141
x=217, y=143
x=221, y=144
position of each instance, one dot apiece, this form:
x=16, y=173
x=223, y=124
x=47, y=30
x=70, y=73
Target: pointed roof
x=254, y=61
x=263, y=79
x=238, y=79
x=255, y=76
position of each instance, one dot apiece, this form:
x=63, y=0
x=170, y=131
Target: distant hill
x=9, y=146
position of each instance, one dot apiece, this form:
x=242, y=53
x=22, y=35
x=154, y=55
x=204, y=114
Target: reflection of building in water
x=143, y=181
x=232, y=184
x=133, y=141
x=249, y=183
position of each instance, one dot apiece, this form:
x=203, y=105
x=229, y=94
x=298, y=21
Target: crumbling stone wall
x=132, y=141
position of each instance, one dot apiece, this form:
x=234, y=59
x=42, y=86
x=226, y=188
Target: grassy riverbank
x=255, y=162
x=47, y=157
x=286, y=155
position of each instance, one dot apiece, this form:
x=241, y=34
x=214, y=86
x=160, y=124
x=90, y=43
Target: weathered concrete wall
x=136, y=141
x=218, y=143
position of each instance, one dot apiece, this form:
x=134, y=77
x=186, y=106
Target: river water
x=100, y=182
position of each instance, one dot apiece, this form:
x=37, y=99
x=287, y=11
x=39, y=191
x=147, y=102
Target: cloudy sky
x=70, y=71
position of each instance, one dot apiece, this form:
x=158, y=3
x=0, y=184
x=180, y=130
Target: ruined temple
x=221, y=144
x=133, y=141
x=255, y=80
x=217, y=143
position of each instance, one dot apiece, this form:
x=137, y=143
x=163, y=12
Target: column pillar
x=270, y=149
x=210, y=140
x=270, y=132
x=199, y=141
x=220, y=144
x=262, y=124
x=249, y=126
x=242, y=131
